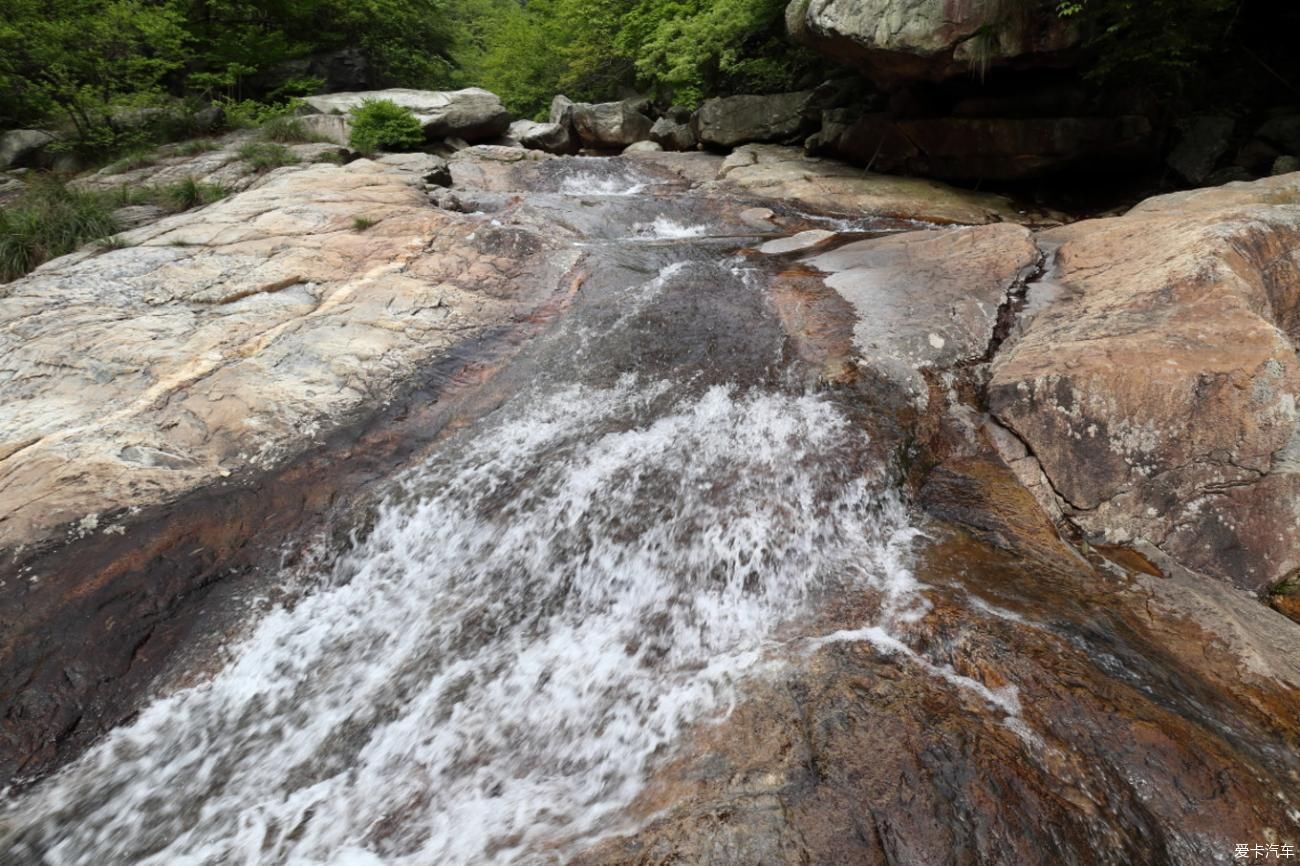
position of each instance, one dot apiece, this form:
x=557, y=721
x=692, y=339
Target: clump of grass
x=187, y=193
x=132, y=161
x=263, y=156
x=50, y=220
x=196, y=146
x=287, y=129
x=360, y=224
x=112, y=242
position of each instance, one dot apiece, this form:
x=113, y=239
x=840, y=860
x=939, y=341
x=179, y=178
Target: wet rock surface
x=1014, y=692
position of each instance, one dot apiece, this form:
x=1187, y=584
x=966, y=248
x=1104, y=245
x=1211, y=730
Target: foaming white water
x=490, y=675
x=599, y=183
x=665, y=228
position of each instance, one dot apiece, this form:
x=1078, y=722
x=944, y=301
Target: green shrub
x=132, y=161
x=50, y=220
x=263, y=156
x=196, y=146
x=360, y=224
x=383, y=124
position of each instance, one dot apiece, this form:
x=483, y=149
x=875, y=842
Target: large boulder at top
x=550, y=137
x=1159, y=389
x=21, y=147
x=608, y=125
x=733, y=120
x=982, y=148
x=472, y=114
x=893, y=40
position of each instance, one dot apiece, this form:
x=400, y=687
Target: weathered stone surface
x=610, y=125
x=335, y=128
x=732, y=120
x=673, y=134
x=1159, y=390
x=643, y=147
x=473, y=114
x=550, y=137
x=982, y=148
x=1285, y=164
x=895, y=40
x=562, y=111
x=225, y=340
x=786, y=173
x=20, y=147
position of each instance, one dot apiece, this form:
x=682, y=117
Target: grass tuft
x=50, y=220
x=360, y=224
x=263, y=156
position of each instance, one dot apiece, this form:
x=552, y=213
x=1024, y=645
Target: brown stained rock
x=825, y=185
x=1158, y=392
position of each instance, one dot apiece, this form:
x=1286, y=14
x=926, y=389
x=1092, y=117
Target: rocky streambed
x=652, y=509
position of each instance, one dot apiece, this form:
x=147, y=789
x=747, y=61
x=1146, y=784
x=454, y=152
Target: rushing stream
x=538, y=612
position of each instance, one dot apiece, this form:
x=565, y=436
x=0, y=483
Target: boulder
x=22, y=147
x=549, y=137
x=643, y=147
x=472, y=114
x=903, y=40
x=981, y=148
x=610, y=125
x=1283, y=132
x=1285, y=165
x=1159, y=391
x=1202, y=143
x=335, y=128
x=735, y=120
x=562, y=111
x=671, y=134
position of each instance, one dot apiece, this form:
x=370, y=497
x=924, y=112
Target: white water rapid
x=488, y=677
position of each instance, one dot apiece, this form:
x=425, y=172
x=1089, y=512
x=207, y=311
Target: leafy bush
x=286, y=129
x=263, y=156
x=383, y=124
x=50, y=220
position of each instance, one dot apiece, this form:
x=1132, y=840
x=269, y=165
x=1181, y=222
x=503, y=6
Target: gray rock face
x=331, y=127
x=20, y=147
x=894, y=40
x=643, y=147
x=610, y=125
x=562, y=111
x=472, y=114
x=1285, y=165
x=735, y=120
x=549, y=137
x=673, y=134
x=1203, y=143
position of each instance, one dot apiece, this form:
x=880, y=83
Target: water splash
x=490, y=676
x=597, y=183
x=665, y=228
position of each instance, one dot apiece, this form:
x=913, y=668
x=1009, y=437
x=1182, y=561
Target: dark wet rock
x=1285, y=165
x=1203, y=141
x=981, y=148
x=472, y=114
x=1283, y=132
x=610, y=125
x=733, y=120
x=1257, y=157
x=1159, y=391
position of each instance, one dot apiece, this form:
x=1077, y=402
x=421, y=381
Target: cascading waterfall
x=490, y=675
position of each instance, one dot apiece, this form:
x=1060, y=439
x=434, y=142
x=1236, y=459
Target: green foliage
x=286, y=129
x=132, y=161
x=196, y=146
x=186, y=193
x=263, y=156
x=50, y=220
x=1159, y=42
x=383, y=124
x=360, y=224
